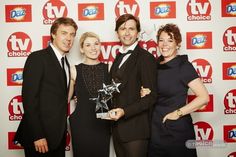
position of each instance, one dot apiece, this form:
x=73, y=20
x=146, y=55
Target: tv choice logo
x=91, y=11
x=204, y=69
x=18, y=13
x=230, y=102
x=208, y=107
x=52, y=10
x=229, y=39
x=230, y=133
x=11, y=145
x=19, y=44
x=127, y=6
x=233, y=154
x=15, y=108
x=199, y=40
x=14, y=77
x=109, y=50
x=203, y=131
x=228, y=8
x=159, y=10
x=46, y=41
x=199, y=10
x=229, y=71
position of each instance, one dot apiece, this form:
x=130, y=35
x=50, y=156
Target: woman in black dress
x=171, y=121
x=90, y=135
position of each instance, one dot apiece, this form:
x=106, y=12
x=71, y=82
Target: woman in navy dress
x=90, y=135
x=171, y=121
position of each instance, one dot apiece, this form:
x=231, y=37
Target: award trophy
x=104, y=95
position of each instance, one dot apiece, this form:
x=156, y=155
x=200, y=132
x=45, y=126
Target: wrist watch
x=179, y=113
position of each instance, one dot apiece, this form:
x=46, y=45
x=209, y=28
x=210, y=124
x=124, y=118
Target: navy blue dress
x=90, y=135
x=168, y=139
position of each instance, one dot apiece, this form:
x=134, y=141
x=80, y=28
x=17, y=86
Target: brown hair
x=125, y=17
x=62, y=21
x=172, y=30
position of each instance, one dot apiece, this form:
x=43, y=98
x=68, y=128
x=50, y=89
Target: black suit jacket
x=44, y=97
x=139, y=70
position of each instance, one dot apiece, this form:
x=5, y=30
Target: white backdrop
x=209, y=39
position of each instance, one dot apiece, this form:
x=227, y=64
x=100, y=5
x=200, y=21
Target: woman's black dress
x=90, y=135
x=168, y=139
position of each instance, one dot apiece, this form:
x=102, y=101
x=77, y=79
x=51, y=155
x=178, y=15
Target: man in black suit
x=42, y=131
x=134, y=67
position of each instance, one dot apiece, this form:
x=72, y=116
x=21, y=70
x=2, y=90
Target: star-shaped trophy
x=104, y=95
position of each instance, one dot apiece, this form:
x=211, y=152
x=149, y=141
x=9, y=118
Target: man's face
x=63, y=38
x=128, y=33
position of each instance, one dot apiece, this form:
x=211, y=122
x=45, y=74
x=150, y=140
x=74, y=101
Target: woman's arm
x=201, y=99
x=72, y=82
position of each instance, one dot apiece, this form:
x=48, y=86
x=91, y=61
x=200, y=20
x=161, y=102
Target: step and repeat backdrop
x=208, y=28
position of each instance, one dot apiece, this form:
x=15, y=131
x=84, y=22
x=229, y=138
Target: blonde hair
x=85, y=35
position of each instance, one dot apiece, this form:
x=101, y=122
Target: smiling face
x=128, y=33
x=91, y=49
x=63, y=38
x=167, y=46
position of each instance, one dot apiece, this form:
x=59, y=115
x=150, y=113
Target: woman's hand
x=171, y=116
x=144, y=91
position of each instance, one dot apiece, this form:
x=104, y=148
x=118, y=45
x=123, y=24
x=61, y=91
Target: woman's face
x=167, y=46
x=91, y=48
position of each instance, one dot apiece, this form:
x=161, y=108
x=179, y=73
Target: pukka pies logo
x=52, y=10
x=199, y=10
x=91, y=11
x=229, y=39
x=230, y=133
x=18, y=13
x=208, y=107
x=15, y=108
x=159, y=10
x=230, y=102
x=229, y=71
x=199, y=40
x=14, y=77
x=19, y=45
x=127, y=6
x=204, y=69
x=228, y=8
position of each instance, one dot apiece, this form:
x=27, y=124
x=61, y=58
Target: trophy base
x=103, y=115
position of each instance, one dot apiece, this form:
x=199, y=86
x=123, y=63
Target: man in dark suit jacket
x=134, y=67
x=42, y=131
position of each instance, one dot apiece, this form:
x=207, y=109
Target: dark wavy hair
x=125, y=17
x=172, y=30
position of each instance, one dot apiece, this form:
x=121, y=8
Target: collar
x=132, y=47
x=57, y=53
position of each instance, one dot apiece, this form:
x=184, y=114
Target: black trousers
x=58, y=152
x=136, y=148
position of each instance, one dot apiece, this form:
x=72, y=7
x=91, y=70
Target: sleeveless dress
x=90, y=135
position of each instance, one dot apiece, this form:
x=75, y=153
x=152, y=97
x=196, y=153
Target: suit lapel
x=58, y=68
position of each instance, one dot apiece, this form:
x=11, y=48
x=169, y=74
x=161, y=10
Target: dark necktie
x=121, y=56
x=63, y=68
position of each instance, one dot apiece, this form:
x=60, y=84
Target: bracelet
x=179, y=113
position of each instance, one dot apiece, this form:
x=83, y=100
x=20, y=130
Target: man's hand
x=41, y=145
x=116, y=113
x=144, y=91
